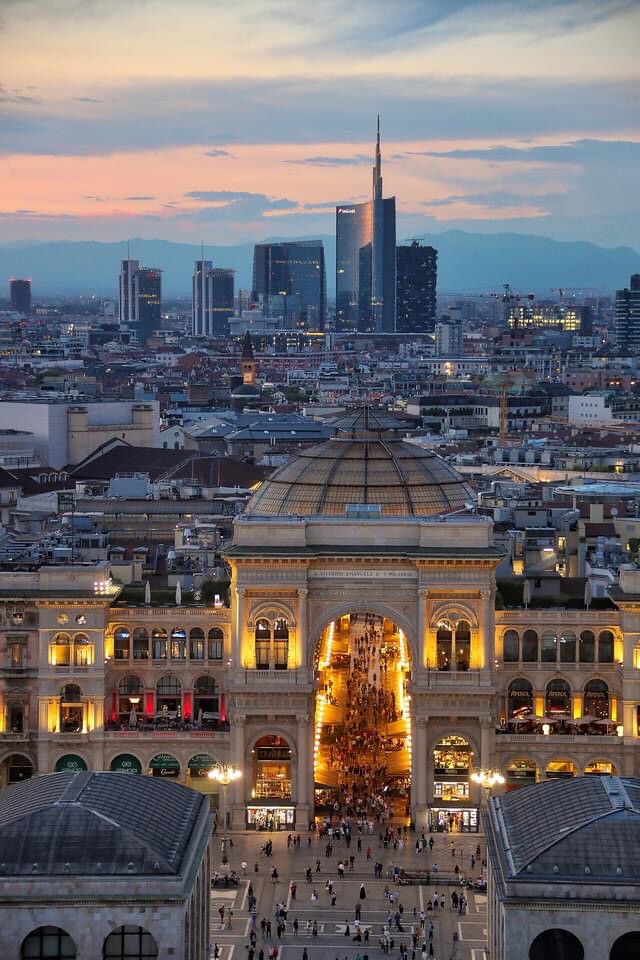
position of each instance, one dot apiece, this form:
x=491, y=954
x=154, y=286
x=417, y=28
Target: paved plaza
x=331, y=942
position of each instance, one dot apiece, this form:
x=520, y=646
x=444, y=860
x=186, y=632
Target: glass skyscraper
x=366, y=260
x=140, y=299
x=417, y=268
x=294, y=271
x=212, y=299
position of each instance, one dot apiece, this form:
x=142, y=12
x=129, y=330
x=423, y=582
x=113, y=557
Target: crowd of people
x=358, y=750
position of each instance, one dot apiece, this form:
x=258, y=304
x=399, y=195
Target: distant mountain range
x=467, y=262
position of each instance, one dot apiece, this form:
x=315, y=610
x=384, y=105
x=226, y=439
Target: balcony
x=555, y=739
x=458, y=678
x=9, y=737
x=255, y=679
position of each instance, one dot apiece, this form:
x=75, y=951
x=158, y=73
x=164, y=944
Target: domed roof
x=367, y=462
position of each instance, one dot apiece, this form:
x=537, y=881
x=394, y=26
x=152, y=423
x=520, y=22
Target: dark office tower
x=366, y=260
x=222, y=297
x=353, y=252
x=383, y=252
x=627, y=316
x=417, y=269
x=20, y=293
x=140, y=300
x=294, y=270
x=148, y=294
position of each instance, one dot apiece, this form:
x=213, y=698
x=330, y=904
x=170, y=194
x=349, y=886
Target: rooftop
x=96, y=824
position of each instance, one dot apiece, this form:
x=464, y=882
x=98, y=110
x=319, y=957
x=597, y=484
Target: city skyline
x=495, y=118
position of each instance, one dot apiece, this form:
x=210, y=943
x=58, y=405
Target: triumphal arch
x=362, y=674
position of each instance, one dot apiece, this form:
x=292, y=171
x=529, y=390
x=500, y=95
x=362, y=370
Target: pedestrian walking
x=363, y=892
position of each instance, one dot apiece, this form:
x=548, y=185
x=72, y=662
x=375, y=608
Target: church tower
x=248, y=363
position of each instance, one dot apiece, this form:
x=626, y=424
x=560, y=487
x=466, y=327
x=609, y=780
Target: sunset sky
x=225, y=122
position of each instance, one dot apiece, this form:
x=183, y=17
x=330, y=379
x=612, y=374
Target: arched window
x=511, y=645
x=587, y=646
x=549, y=650
x=600, y=768
x=130, y=685
x=178, y=644
x=129, y=943
x=521, y=773
x=140, y=644
x=626, y=947
x=61, y=655
x=567, y=647
x=556, y=945
x=596, y=699
x=463, y=645
x=443, y=645
x=530, y=646
x=71, y=708
x=121, y=639
x=215, y=644
x=281, y=644
x=48, y=943
x=206, y=699
x=263, y=644
x=519, y=699
x=560, y=770
x=558, y=698
x=196, y=644
x=159, y=643
x=82, y=652
x=605, y=647
x=168, y=692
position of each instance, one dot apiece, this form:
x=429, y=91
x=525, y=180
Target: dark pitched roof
x=590, y=829
x=156, y=461
x=93, y=824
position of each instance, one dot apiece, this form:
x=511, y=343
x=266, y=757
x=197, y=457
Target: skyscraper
x=417, y=268
x=140, y=299
x=212, y=303
x=295, y=271
x=627, y=315
x=366, y=260
x=20, y=294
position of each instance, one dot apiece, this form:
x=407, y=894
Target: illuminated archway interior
x=362, y=747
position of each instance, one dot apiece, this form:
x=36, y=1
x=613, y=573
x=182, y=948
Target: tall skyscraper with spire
x=366, y=259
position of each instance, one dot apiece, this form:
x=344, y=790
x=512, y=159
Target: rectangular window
x=262, y=654
x=281, y=654
x=216, y=649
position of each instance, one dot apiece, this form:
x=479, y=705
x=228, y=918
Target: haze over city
x=234, y=122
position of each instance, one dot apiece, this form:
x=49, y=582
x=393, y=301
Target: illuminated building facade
x=140, y=300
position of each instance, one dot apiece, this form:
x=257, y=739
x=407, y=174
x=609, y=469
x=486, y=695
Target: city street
x=331, y=940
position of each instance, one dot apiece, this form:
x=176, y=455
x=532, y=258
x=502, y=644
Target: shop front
x=126, y=763
x=451, y=809
x=70, y=763
x=271, y=816
x=198, y=778
x=165, y=766
x=453, y=819
x=272, y=770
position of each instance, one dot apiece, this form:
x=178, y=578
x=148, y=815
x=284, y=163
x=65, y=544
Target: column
x=421, y=652
x=419, y=801
x=304, y=775
x=485, y=655
x=485, y=745
x=239, y=789
x=239, y=653
x=302, y=656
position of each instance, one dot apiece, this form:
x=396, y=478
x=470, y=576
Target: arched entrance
x=15, y=768
x=362, y=735
x=271, y=806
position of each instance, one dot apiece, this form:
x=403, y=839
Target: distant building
x=137, y=848
x=366, y=260
x=449, y=337
x=417, y=271
x=20, y=294
x=140, y=299
x=293, y=270
x=564, y=886
x=212, y=303
x=66, y=431
x=627, y=315
x=569, y=318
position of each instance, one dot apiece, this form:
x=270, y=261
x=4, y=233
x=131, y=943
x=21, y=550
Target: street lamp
x=224, y=774
x=487, y=779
